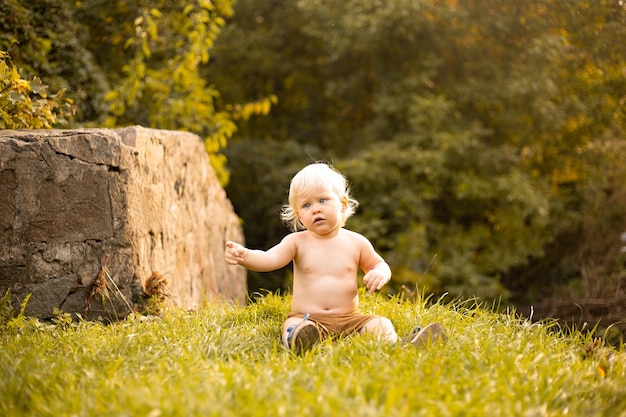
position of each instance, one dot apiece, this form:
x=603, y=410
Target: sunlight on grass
x=228, y=361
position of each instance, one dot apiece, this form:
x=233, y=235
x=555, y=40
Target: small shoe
x=302, y=336
x=430, y=334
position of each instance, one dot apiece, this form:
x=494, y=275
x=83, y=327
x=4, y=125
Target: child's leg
x=300, y=334
x=381, y=327
x=289, y=322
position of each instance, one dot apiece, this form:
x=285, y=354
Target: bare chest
x=335, y=258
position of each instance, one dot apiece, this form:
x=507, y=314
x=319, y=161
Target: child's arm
x=258, y=260
x=377, y=277
x=377, y=272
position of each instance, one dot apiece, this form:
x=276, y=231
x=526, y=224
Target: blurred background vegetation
x=484, y=139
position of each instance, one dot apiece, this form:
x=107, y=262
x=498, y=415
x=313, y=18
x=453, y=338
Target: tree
x=475, y=133
x=161, y=84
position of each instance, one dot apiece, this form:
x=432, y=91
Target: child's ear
x=344, y=203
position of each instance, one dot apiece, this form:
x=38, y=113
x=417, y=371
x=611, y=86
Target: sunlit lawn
x=228, y=361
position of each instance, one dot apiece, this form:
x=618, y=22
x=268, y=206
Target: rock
x=124, y=205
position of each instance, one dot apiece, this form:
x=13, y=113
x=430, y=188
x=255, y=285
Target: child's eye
x=323, y=200
x=306, y=205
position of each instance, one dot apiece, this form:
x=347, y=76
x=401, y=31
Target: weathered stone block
x=136, y=201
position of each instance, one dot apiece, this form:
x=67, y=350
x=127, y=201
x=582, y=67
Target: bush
x=26, y=104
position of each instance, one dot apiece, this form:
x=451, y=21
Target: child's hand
x=374, y=280
x=234, y=253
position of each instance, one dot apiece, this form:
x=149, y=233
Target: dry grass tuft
x=104, y=285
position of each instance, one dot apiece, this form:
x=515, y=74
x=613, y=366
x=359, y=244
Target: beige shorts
x=337, y=325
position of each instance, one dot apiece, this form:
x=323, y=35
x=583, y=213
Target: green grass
x=228, y=361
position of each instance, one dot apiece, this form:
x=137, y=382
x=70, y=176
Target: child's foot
x=302, y=336
x=430, y=334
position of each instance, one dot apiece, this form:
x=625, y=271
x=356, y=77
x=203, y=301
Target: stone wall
x=89, y=218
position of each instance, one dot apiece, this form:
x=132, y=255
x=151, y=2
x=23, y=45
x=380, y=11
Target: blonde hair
x=310, y=177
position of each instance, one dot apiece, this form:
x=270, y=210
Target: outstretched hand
x=234, y=253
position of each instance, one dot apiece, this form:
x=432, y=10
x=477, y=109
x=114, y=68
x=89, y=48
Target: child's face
x=320, y=211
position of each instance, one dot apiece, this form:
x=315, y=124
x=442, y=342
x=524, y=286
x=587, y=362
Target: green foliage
x=6, y=308
x=46, y=40
x=162, y=79
x=162, y=85
x=227, y=361
x=478, y=135
x=26, y=104
x=10, y=319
